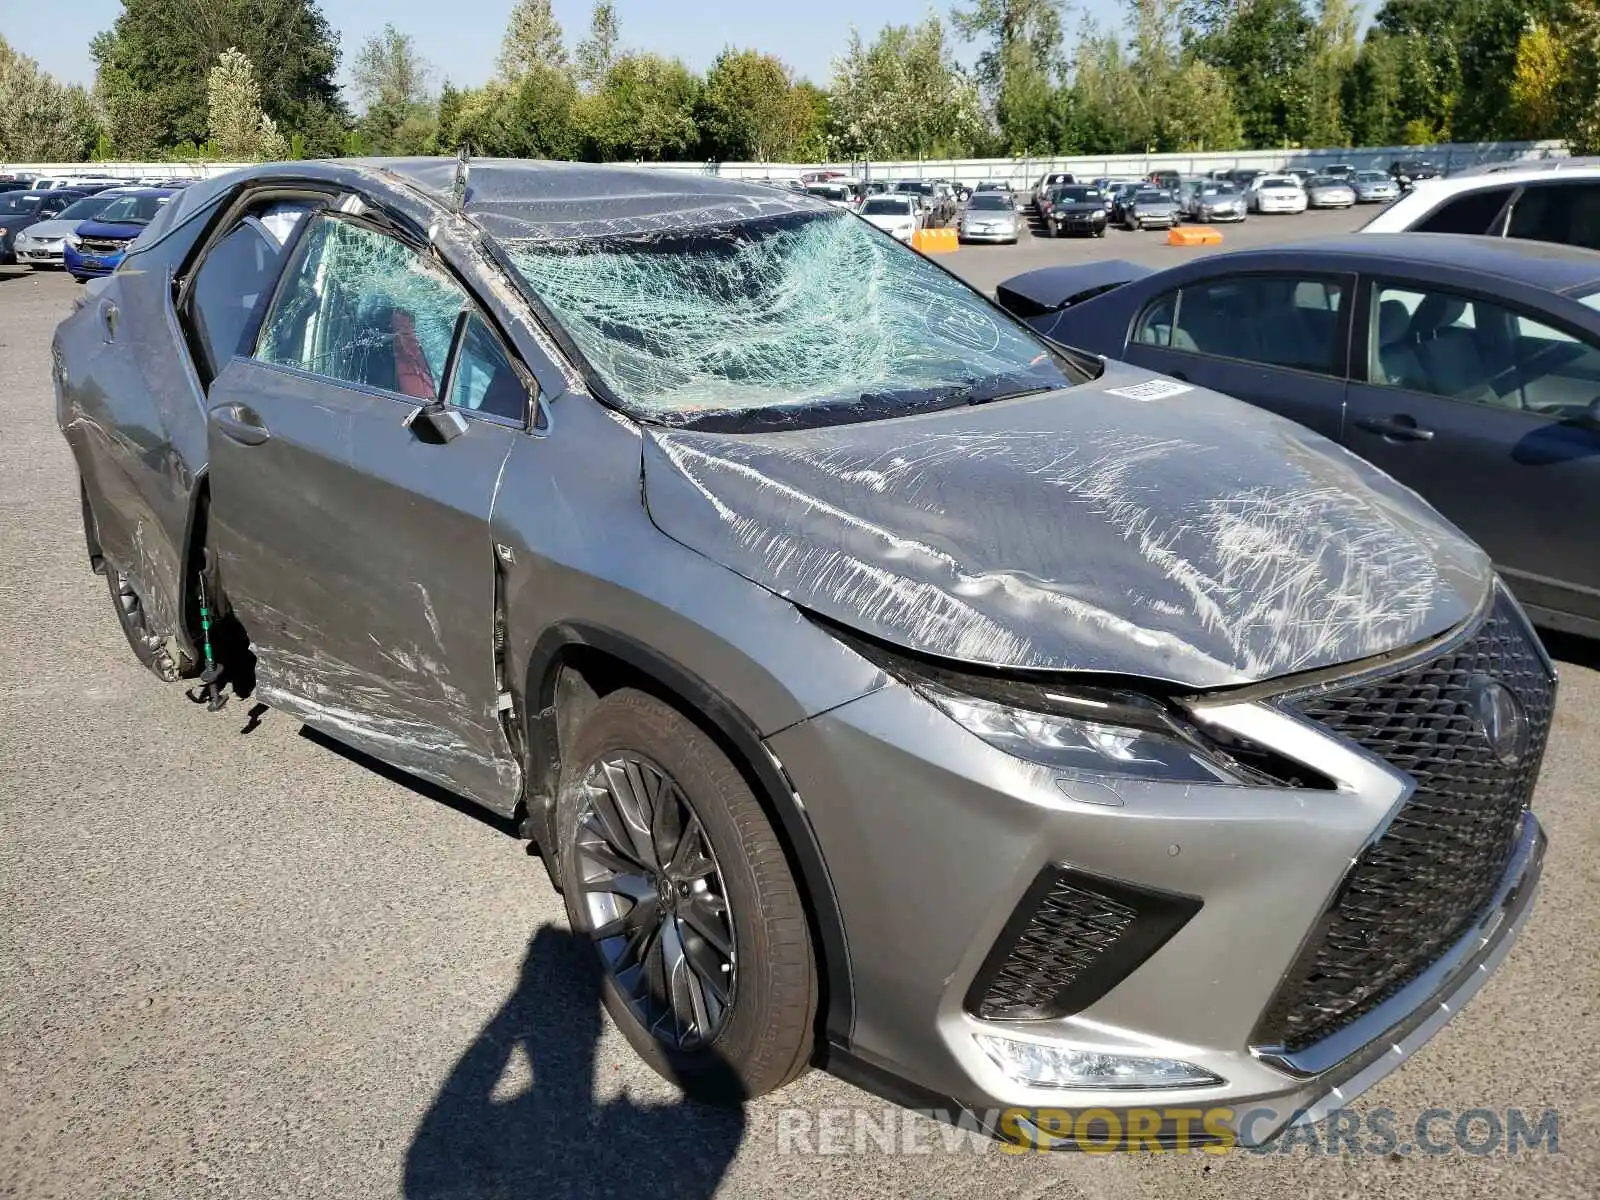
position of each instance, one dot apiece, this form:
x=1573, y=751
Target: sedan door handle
x=1400, y=428
x=241, y=424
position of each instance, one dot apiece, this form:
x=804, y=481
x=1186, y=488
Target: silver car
x=1375, y=187
x=1329, y=191
x=1150, y=208
x=41, y=244
x=883, y=686
x=1214, y=201
x=989, y=217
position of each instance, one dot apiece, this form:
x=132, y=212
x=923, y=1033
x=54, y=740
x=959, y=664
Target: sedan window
x=360, y=307
x=484, y=379
x=1465, y=348
x=1276, y=320
x=233, y=279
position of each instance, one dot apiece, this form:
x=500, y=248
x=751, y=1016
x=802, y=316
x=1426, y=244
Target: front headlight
x=74, y=241
x=1086, y=730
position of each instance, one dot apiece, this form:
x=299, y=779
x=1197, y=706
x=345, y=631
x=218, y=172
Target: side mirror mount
x=436, y=423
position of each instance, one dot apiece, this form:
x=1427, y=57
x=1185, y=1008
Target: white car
x=1275, y=194
x=895, y=214
x=1535, y=202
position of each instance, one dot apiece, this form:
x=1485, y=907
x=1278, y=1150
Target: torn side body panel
x=1189, y=538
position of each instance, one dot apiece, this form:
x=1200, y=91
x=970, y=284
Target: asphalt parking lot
x=235, y=961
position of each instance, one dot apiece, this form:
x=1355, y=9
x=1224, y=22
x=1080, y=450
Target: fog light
x=1039, y=1065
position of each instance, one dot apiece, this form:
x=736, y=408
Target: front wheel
x=149, y=646
x=675, y=876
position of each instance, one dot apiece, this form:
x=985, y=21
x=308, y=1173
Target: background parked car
x=895, y=215
x=1537, y=204
x=20, y=210
x=43, y=244
x=97, y=246
x=1121, y=196
x=989, y=217
x=1329, y=191
x=1409, y=171
x=1275, y=194
x=1074, y=208
x=1467, y=368
x=1212, y=200
x=1374, y=187
x=1150, y=208
x=1338, y=170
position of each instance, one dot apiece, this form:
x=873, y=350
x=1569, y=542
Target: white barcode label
x=1151, y=389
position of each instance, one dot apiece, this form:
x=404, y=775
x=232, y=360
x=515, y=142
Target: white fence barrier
x=1020, y=172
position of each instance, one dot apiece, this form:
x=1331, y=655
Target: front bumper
x=1077, y=222
x=1003, y=234
x=1155, y=220
x=83, y=266
x=1341, y=201
x=40, y=253
x=933, y=839
x=1280, y=206
x=1217, y=217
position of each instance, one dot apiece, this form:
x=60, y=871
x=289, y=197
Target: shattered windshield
x=806, y=318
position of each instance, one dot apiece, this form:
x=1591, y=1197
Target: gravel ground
x=235, y=961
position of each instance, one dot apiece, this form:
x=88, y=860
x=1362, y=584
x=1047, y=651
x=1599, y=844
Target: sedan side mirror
x=436, y=423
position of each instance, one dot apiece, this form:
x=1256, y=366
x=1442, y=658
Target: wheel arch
x=569, y=665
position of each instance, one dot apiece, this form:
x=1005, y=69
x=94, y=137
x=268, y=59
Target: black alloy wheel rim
x=655, y=900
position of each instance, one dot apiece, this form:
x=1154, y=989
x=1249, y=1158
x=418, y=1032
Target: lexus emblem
x=1498, y=714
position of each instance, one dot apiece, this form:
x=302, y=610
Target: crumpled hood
x=1176, y=535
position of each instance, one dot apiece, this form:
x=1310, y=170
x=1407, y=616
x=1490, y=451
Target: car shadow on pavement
x=554, y=1138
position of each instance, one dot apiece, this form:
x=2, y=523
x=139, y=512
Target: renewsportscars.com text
x=1347, y=1132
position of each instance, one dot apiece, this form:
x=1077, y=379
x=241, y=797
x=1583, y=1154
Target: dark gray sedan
x=1467, y=368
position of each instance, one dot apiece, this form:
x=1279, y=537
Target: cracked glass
x=361, y=307
x=782, y=320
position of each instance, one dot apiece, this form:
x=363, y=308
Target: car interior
x=1281, y=322
x=1466, y=349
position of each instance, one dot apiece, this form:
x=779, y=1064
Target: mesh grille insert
x=1415, y=891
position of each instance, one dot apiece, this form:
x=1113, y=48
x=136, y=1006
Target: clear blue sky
x=460, y=37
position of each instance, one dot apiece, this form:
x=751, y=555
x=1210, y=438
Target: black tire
x=148, y=647
x=763, y=1037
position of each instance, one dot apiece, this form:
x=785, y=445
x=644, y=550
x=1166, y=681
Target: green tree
x=532, y=38
x=1536, y=77
x=903, y=95
x=154, y=65
x=1263, y=47
x=41, y=119
x=240, y=130
x=644, y=110
x=1018, y=66
x=1333, y=55
x=1490, y=34
x=750, y=110
x=1198, y=112
x=1371, y=106
x=391, y=84
x=598, y=51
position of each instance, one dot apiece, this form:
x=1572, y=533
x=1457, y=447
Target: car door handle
x=241, y=424
x=1400, y=428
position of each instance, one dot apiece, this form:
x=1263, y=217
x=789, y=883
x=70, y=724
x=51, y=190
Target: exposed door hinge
x=505, y=552
x=502, y=702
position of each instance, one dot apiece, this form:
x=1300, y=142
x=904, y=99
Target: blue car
x=96, y=247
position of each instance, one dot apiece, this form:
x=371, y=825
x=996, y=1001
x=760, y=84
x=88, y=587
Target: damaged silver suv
x=885, y=687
